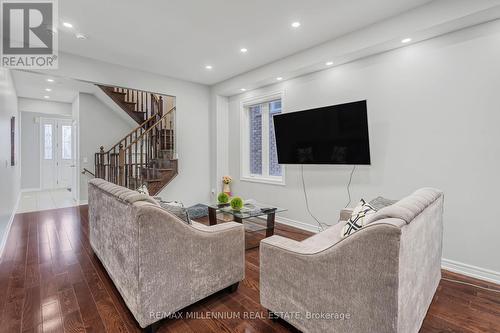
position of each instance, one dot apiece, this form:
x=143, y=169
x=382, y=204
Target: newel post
x=121, y=165
x=100, y=172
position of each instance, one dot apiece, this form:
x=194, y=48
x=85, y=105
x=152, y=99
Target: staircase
x=139, y=105
x=146, y=155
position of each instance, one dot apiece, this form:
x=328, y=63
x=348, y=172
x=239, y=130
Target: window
x=259, y=155
x=66, y=142
x=47, y=141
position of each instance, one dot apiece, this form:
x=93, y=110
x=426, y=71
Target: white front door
x=57, y=157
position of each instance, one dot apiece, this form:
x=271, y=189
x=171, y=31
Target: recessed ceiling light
x=243, y=50
x=209, y=67
x=243, y=89
x=279, y=78
x=50, y=80
x=80, y=36
x=68, y=25
x=329, y=63
x=406, y=40
x=295, y=24
x=46, y=97
x=48, y=89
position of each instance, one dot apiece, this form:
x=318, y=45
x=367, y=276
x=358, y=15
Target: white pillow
x=143, y=189
x=357, y=219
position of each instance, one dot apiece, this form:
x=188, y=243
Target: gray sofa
x=382, y=278
x=158, y=263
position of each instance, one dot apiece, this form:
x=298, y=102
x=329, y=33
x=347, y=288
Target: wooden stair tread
x=159, y=169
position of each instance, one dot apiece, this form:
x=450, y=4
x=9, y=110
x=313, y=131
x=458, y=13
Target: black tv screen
x=335, y=134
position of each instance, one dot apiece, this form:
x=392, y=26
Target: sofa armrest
x=345, y=214
x=217, y=227
x=287, y=244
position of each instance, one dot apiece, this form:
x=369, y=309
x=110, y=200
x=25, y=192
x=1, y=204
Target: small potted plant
x=226, y=180
x=222, y=199
x=236, y=203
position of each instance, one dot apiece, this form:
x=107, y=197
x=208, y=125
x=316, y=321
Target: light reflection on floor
x=43, y=200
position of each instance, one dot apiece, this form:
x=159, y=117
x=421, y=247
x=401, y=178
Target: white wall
x=9, y=175
x=97, y=126
x=46, y=107
x=433, y=116
x=192, y=185
x=30, y=146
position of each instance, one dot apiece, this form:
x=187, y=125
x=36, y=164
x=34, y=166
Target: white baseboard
x=297, y=224
x=83, y=202
x=470, y=270
x=450, y=265
x=9, y=225
x=23, y=190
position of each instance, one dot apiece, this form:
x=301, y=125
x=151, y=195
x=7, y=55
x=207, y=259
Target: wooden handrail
x=150, y=128
x=85, y=171
x=145, y=152
x=132, y=132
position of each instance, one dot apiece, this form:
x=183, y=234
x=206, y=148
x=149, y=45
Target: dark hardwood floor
x=50, y=281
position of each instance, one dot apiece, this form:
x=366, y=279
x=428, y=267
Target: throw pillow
x=177, y=209
x=381, y=202
x=143, y=189
x=356, y=221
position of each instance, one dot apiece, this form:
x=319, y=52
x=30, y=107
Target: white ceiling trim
x=422, y=23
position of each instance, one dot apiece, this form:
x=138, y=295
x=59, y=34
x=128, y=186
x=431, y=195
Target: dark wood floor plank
x=72, y=322
x=111, y=319
x=68, y=301
x=32, y=315
x=90, y=316
x=50, y=281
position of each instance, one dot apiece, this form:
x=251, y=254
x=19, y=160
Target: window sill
x=264, y=180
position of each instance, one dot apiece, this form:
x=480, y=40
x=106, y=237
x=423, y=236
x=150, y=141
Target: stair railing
x=124, y=162
x=144, y=101
x=107, y=161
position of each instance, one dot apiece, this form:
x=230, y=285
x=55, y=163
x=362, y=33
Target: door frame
x=55, y=136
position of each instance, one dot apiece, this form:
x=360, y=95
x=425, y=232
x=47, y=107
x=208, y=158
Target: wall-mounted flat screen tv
x=335, y=134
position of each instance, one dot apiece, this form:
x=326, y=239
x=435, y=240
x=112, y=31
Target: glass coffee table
x=257, y=218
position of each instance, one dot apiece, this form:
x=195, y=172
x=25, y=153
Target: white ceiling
x=33, y=85
x=178, y=38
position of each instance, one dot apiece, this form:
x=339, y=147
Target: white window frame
x=245, y=174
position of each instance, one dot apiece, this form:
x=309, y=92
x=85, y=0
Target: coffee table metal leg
x=270, y=224
x=212, y=216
